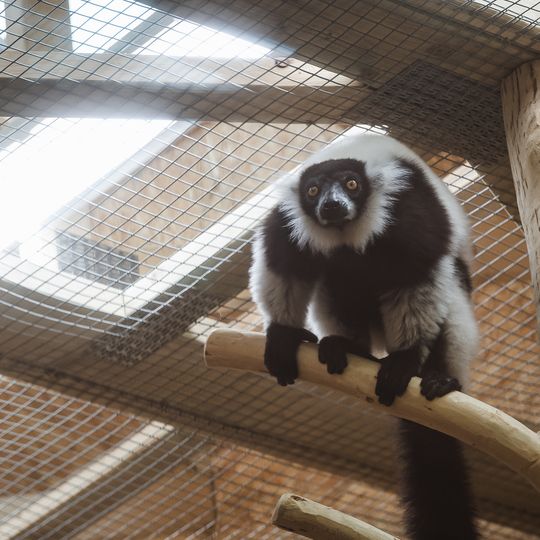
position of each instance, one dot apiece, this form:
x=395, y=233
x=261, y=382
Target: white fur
x=337, y=194
x=463, y=336
x=321, y=318
x=387, y=180
x=381, y=154
x=408, y=315
x=282, y=301
x=416, y=313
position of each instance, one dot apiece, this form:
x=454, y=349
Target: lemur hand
x=282, y=344
x=333, y=352
x=436, y=384
x=395, y=373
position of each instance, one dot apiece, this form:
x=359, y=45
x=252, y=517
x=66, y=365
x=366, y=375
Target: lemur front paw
x=435, y=384
x=395, y=373
x=333, y=352
x=282, y=344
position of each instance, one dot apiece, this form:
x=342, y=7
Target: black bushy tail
x=436, y=489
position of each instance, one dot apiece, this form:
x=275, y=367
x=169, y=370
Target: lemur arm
x=435, y=338
x=282, y=279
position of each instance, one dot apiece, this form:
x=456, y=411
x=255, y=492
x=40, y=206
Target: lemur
x=368, y=248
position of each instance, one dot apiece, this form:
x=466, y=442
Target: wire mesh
x=138, y=141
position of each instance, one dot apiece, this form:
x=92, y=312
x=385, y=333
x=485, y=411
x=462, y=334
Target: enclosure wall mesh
x=139, y=141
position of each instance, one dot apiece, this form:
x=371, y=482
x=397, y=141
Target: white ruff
x=380, y=154
x=386, y=178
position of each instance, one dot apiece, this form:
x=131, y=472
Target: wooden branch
x=313, y=520
x=521, y=111
x=471, y=421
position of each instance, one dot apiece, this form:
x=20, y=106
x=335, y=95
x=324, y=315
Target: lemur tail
x=436, y=489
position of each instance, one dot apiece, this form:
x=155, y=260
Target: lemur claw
x=435, y=384
x=282, y=344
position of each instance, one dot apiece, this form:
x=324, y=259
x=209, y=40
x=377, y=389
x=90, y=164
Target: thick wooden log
x=521, y=110
x=313, y=520
x=471, y=421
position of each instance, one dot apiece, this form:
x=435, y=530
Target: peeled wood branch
x=313, y=520
x=463, y=417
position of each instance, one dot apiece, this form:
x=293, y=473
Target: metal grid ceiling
x=138, y=142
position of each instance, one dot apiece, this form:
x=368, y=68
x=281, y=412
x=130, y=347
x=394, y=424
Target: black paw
x=394, y=376
x=333, y=353
x=436, y=384
x=282, y=344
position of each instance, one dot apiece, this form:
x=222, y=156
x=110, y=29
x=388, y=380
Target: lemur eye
x=351, y=184
x=313, y=191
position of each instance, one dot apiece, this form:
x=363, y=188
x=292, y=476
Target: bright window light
x=42, y=175
x=184, y=38
x=98, y=25
x=37, y=267
x=527, y=9
x=461, y=178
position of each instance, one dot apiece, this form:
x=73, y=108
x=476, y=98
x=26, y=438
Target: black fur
x=395, y=374
x=329, y=173
x=405, y=255
x=435, y=379
x=333, y=167
x=435, y=485
x=462, y=272
x=281, y=349
x=283, y=255
x=333, y=352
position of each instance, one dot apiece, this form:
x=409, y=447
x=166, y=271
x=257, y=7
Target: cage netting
x=138, y=144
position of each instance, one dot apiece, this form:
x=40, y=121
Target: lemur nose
x=331, y=204
x=332, y=211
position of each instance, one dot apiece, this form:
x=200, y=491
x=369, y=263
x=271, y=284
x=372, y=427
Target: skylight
x=70, y=166
x=100, y=24
x=526, y=9
x=184, y=38
x=59, y=162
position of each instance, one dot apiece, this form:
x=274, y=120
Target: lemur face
x=334, y=192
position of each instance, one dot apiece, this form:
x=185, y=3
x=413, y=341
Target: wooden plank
x=221, y=102
x=374, y=39
x=521, y=106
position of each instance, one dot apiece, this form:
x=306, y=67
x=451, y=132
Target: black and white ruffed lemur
x=368, y=248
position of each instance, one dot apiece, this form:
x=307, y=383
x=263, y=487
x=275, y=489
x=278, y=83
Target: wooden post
x=313, y=520
x=456, y=414
x=521, y=110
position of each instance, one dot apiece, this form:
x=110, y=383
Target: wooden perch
x=308, y=518
x=475, y=423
